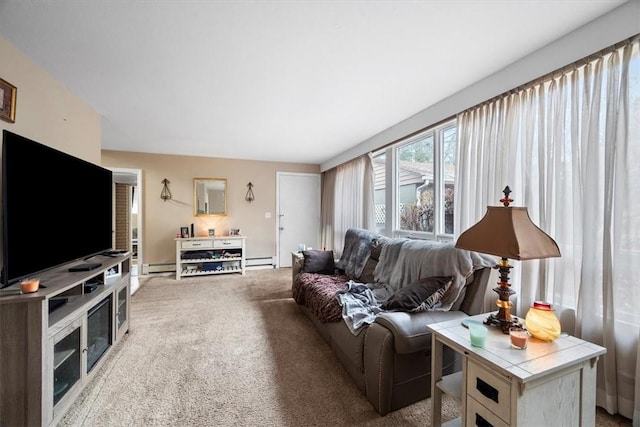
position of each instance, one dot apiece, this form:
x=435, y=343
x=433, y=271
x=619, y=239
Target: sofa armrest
x=297, y=262
x=409, y=329
x=378, y=367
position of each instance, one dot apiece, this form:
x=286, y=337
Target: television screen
x=56, y=208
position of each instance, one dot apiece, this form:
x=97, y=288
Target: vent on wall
x=159, y=268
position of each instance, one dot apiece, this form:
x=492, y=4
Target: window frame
x=392, y=217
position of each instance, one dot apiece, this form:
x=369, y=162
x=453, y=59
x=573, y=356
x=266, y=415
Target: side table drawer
x=196, y=244
x=478, y=415
x=227, y=243
x=489, y=389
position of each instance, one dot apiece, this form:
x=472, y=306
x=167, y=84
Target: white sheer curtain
x=328, y=207
x=351, y=196
x=569, y=148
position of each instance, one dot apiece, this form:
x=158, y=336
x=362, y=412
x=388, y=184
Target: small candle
x=29, y=285
x=478, y=334
x=518, y=338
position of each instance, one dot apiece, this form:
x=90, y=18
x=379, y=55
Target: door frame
x=138, y=174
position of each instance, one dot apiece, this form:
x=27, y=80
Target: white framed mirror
x=209, y=196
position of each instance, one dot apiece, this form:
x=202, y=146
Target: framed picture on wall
x=184, y=232
x=8, y=94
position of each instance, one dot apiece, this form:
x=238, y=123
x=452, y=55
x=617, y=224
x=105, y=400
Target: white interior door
x=298, y=220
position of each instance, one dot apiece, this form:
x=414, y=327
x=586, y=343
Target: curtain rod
x=558, y=72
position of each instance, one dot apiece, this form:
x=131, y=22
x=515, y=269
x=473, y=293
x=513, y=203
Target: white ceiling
x=294, y=81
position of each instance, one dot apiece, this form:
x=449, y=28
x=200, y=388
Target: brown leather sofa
x=390, y=361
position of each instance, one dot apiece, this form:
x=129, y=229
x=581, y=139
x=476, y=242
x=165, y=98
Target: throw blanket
x=361, y=303
x=357, y=248
x=418, y=259
x=317, y=292
x=388, y=260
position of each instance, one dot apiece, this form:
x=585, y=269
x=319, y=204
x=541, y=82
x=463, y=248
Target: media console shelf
x=199, y=256
x=55, y=339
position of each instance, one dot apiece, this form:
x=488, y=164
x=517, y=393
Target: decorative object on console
x=184, y=232
x=507, y=232
x=212, y=232
x=542, y=322
x=234, y=232
x=249, y=197
x=165, y=194
x=29, y=285
x=8, y=93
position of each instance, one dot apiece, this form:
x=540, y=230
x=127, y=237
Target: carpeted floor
x=230, y=350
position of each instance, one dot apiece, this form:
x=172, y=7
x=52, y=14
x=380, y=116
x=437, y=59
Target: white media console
x=197, y=256
x=47, y=355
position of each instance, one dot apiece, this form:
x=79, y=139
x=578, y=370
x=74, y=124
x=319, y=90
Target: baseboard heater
x=159, y=268
x=260, y=263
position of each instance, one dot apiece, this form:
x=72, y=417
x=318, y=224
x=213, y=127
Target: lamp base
x=504, y=324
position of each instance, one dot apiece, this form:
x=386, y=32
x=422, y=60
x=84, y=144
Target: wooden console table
x=545, y=384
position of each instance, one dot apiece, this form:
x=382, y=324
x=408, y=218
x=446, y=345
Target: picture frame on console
x=8, y=93
x=184, y=232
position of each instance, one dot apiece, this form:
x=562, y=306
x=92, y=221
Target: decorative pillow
x=419, y=296
x=317, y=261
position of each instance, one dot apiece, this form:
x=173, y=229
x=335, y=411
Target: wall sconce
x=165, y=194
x=249, y=197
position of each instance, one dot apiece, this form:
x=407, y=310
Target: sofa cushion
x=317, y=261
x=421, y=295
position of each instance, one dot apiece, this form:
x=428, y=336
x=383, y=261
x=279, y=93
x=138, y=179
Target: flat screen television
x=56, y=208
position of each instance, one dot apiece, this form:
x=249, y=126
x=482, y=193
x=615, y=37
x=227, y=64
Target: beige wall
x=161, y=220
x=46, y=111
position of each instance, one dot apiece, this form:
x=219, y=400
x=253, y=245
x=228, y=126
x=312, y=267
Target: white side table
x=546, y=384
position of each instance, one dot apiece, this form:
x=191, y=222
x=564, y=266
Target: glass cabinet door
x=122, y=311
x=66, y=364
x=122, y=306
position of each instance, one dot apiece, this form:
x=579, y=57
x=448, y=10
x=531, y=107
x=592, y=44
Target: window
x=423, y=170
x=415, y=184
x=379, y=189
x=425, y=183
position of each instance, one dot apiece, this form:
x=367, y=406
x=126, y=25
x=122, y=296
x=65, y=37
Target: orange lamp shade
x=541, y=322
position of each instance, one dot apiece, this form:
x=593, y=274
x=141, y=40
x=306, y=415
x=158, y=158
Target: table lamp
x=509, y=233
